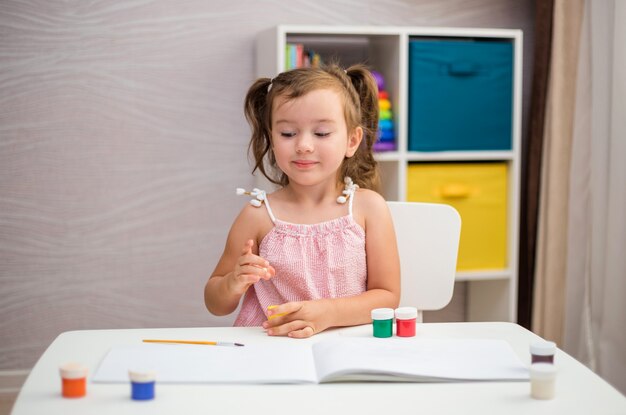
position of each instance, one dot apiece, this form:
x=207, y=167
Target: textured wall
x=121, y=142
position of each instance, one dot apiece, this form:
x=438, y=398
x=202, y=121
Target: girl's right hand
x=249, y=269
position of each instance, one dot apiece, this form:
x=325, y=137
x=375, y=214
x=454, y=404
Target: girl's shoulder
x=252, y=213
x=369, y=205
x=253, y=220
x=370, y=200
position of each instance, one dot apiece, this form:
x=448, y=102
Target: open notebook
x=329, y=360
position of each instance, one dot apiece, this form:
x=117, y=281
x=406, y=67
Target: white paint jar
x=542, y=380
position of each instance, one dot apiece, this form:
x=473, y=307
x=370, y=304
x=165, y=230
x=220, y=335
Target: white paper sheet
x=183, y=363
x=335, y=359
x=419, y=359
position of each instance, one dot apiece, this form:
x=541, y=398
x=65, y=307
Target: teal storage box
x=460, y=95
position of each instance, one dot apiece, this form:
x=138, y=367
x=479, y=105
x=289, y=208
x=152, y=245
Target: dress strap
x=348, y=193
x=350, y=200
x=269, y=209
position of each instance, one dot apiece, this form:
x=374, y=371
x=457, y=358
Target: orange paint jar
x=73, y=380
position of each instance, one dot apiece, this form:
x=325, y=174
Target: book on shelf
x=296, y=56
x=333, y=359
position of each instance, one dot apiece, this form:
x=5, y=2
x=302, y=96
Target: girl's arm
x=305, y=318
x=240, y=266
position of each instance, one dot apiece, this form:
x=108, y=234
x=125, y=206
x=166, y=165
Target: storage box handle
x=455, y=191
x=462, y=68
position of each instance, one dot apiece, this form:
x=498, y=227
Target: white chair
x=428, y=243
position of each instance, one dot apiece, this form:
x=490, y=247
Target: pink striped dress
x=323, y=260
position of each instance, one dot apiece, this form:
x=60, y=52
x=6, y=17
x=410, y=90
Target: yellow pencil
x=206, y=343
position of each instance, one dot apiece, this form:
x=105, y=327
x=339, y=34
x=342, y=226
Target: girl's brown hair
x=359, y=92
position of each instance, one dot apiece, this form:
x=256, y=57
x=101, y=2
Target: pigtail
x=362, y=167
x=257, y=113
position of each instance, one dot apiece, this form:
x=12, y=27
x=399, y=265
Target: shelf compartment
x=460, y=94
x=479, y=192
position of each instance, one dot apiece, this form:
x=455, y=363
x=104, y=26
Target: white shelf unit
x=492, y=294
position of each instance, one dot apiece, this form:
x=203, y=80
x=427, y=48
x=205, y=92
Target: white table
x=578, y=390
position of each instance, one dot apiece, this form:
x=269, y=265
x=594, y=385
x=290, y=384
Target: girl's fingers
x=281, y=319
x=275, y=311
x=289, y=327
x=302, y=333
x=251, y=259
x=247, y=248
x=268, y=272
x=262, y=270
x=272, y=314
x=255, y=263
x=251, y=268
x=249, y=278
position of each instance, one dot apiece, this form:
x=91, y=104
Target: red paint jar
x=74, y=380
x=406, y=317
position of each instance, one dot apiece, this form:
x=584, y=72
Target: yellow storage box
x=479, y=192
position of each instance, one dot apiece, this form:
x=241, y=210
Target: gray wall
x=122, y=140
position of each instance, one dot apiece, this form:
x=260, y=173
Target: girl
x=320, y=251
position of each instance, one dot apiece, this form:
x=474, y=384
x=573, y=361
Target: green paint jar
x=382, y=322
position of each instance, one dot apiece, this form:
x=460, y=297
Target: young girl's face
x=310, y=138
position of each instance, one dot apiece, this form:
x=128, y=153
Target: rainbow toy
x=386, y=135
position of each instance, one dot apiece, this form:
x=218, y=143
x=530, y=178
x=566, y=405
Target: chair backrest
x=428, y=243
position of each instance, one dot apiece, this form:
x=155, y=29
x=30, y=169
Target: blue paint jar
x=142, y=384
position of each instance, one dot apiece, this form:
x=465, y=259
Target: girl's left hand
x=298, y=319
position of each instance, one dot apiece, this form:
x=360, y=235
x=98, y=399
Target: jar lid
x=405, y=313
x=543, y=348
x=73, y=370
x=142, y=375
x=542, y=371
x=382, y=314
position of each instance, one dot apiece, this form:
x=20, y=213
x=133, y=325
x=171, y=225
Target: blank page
x=418, y=359
x=183, y=363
